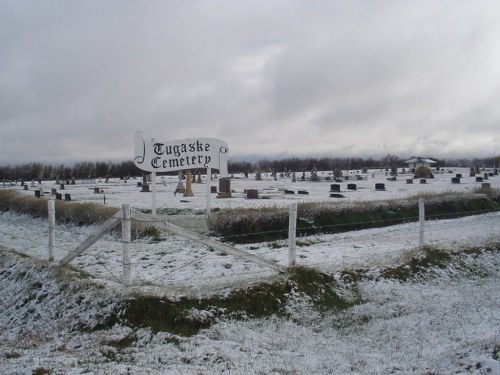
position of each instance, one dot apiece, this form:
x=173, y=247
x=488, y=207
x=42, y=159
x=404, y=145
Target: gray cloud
x=340, y=78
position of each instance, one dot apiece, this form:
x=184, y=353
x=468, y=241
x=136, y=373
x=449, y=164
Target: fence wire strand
x=180, y=242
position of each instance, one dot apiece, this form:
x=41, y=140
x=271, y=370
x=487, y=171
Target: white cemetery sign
x=191, y=153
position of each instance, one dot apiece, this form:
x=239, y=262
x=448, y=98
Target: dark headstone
x=409, y=180
x=145, y=188
x=334, y=187
x=139, y=184
x=25, y=187
x=213, y=189
x=252, y=193
x=61, y=186
x=423, y=181
x=59, y=196
x=37, y=194
x=379, y=186
x=53, y=191
x=479, y=179
x=289, y=191
x=455, y=180
x=225, y=185
x=336, y=195
x=67, y=197
x=485, y=186
x=303, y=192
x=485, y=177
x=351, y=187
x=458, y=175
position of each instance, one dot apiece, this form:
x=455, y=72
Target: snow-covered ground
x=118, y=192
x=447, y=322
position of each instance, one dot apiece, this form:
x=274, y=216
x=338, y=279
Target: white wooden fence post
x=421, y=219
x=209, y=189
x=126, y=239
x=292, y=229
x=153, y=190
x=52, y=228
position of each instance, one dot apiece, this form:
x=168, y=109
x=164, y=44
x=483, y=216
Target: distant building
x=417, y=162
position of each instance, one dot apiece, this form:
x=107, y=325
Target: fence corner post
x=421, y=220
x=292, y=231
x=126, y=240
x=52, y=227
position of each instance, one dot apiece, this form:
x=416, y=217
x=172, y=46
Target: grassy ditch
x=326, y=292
x=75, y=213
x=188, y=315
x=271, y=223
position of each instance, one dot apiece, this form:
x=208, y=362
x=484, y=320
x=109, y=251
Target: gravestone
x=139, y=184
x=423, y=181
x=252, y=194
x=37, y=194
x=67, y=197
x=379, y=186
x=224, y=188
x=351, y=186
x=455, y=180
x=286, y=191
x=303, y=192
x=180, y=185
x=409, y=180
x=53, y=191
x=458, y=175
x=59, y=196
x=258, y=175
x=294, y=177
x=198, y=180
x=25, y=187
x=61, y=186
x=314, y=174
x=472, y=172
x=145, y=188
x=213, y=189
x=485, y=186
x=479, y=179
x=334, y=187
x=336, y=195
x=189, y=186
x=485, y=177
x=97, y=190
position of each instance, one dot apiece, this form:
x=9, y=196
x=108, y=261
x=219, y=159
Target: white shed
x=417, y=162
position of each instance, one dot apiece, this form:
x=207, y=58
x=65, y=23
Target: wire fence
x=180, y=263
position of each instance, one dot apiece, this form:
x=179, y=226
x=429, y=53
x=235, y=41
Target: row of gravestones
x=486, y=176
x=59, y=196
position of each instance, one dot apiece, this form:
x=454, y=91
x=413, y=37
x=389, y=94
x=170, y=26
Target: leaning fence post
x=292, y=229
x=421, y=219
x=52, y=228
x=126, y=239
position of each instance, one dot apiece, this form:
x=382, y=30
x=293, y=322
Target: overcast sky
x=271, y=78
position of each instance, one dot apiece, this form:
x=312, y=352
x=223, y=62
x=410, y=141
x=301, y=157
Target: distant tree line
x=124, y=169
x=39, y=171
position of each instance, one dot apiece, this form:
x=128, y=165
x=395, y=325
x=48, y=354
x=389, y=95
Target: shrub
x=77, y=213
x=423, y=172
x=265, y=224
